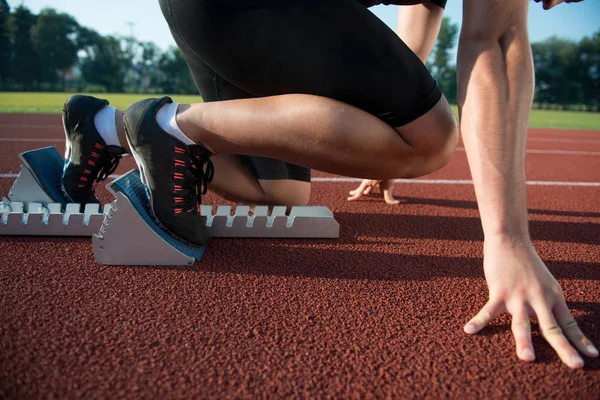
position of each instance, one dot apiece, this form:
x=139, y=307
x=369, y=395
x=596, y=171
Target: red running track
x=377, y=313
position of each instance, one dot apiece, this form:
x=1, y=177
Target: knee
x=437, y=140
x=447, y=134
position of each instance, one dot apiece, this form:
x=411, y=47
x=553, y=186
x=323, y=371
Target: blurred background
x=121, y=46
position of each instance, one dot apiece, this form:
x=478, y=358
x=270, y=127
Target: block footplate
x=36, y=205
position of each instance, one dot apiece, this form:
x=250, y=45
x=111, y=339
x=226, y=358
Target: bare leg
x=323, y=134
x=234, y=182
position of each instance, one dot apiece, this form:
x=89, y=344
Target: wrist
x=503, y=229
x=509, y=239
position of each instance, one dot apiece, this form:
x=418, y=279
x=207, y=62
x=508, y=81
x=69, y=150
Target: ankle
x=189, y=120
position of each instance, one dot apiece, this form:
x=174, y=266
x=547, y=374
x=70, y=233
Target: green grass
x=560, y=119
x=52, y=103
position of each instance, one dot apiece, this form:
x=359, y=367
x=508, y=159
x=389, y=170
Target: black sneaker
x=175, y=174
x=88, y=159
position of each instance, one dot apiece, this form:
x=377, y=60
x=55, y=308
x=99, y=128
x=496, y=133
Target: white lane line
x=554, y=140
x=564, y=152
x=460, y=182
x=421, y=181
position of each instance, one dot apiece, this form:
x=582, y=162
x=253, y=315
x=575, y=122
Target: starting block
x=125, y=232
x=148, y=243
x=37, y=206
x=129, y=235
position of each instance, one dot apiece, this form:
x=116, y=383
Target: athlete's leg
x=246, y=179
x=324, y=134
x=235, y=182
x=269, y=48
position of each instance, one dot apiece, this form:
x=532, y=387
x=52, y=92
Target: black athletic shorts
x=331, y=48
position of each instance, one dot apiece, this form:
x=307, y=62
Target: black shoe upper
x=176, y=174
x=89, y=159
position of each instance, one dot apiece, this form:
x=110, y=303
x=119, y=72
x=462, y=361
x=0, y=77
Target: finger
x=489, y=312
x=389, y=198
x=387, y=188
x=569, y=326
x=355, y=196
x=368, y=190
x=357, y=193
x=521, y=329
x=555, y=337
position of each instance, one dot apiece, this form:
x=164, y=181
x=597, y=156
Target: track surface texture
x=377, y=313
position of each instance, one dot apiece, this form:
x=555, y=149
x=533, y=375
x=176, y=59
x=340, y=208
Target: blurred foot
x=90, y=157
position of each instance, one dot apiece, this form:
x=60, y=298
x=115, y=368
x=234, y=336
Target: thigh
x=331, y=48
x=213, y=87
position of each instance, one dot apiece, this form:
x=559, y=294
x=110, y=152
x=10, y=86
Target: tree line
x=567, y=73
x=51, y=51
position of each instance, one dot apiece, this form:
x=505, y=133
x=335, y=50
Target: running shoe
x=175, y=174
x=88, y=159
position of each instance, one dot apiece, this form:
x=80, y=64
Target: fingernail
x=593, y=350
x=577, y=361
x=527, y=354
x=470, y=328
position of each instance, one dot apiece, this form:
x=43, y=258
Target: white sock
x=167, y=120
x=106, y=126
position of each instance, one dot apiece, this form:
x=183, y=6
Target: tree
x=175, y=76
x=54, y=41
x=24, y=55
x=106, y=62
x=145, y=57
x=441, y=67
x=589, y=63
x=5, y=45
x=557, y=72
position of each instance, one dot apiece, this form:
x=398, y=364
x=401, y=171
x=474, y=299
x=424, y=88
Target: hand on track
x=519, y=283
x=366, y=187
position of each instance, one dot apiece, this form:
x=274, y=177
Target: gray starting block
x=149, y=244
x=126, y=233
x=130, y=235
x=36, y=205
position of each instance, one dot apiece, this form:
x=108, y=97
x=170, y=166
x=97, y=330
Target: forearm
x=495, y=91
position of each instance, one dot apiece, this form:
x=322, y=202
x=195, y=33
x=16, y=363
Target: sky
x=569, y=21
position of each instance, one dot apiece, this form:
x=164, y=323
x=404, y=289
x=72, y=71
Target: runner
x=326, y=85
